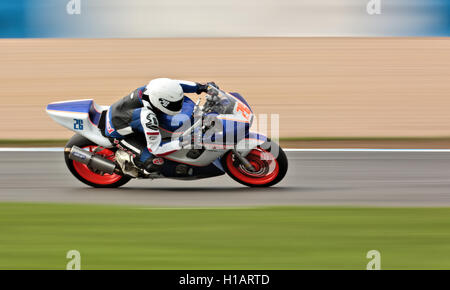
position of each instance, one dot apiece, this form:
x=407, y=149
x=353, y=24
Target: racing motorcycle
x=216, y=137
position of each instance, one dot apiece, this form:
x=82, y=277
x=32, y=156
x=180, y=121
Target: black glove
x=203, y=88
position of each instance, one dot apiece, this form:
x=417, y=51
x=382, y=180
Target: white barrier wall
x=236, y=18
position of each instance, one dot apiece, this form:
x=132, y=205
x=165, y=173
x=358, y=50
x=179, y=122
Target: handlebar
x=212, y=104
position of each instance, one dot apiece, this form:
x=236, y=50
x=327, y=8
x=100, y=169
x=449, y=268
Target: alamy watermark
x=219, y=132
x=73, y=7
x=373, y=7
x=375, y=262
x=75, y=260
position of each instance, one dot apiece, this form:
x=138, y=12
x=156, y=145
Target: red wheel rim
x=266, y=167
x=90, y=176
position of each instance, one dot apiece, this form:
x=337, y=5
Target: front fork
x=243, y=160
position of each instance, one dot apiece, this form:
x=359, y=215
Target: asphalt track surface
x=314, y=178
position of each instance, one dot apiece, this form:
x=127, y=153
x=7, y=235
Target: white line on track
x=50, y=149
x=60, y=149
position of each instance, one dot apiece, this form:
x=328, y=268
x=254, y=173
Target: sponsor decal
x=152, y=123
x=158, y=161
x=108, y=125
x=78, y=155
x=164, y=103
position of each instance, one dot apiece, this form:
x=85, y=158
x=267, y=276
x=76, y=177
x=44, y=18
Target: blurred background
x=321, y=87
x=231, y=18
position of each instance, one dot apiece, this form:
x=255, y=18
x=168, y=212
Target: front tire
x=85, y=174
x=269, y=169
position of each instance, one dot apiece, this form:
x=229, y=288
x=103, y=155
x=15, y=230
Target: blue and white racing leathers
x=134, y=114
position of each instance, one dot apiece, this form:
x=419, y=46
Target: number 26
x=78, y=124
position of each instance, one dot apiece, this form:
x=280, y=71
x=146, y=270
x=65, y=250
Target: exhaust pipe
x=92, y=160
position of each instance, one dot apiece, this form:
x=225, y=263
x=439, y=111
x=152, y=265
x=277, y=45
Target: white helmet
x=166, y=95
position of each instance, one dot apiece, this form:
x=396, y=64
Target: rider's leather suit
x=133, y=117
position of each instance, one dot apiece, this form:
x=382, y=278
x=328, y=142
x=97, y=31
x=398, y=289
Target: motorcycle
x=216, y=137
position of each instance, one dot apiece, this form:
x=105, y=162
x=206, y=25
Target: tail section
x=82, y=117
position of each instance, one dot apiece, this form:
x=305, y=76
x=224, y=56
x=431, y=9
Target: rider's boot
x=153, y=164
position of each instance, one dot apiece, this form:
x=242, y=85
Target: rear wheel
x=85, y=174
x=269, y=169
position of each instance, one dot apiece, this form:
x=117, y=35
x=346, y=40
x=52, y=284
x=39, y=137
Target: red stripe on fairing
x=167, y=153
x=161, y=128
x=152, y=133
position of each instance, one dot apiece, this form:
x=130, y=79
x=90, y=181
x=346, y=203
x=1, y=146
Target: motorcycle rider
x=139, y=113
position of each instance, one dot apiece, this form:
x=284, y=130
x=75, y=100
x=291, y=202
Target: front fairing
x=230, y=106
x=232, y=118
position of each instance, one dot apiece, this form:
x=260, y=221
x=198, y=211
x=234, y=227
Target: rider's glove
x=203, y=88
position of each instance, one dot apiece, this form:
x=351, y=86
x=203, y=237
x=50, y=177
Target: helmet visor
x=172, y=106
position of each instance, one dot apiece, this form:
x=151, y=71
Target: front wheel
x=270, y=166
x=83, y=173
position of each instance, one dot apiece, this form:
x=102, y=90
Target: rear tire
x=269, y=172
x=84, y=174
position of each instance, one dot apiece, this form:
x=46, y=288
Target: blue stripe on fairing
x=252, y=135
x=94, y=115
x=235, y=129
x=73, y=106
x=86, y=106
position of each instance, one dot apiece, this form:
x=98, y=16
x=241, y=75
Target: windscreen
x=222, y=102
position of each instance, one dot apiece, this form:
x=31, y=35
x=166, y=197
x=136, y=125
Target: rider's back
x=122, y=110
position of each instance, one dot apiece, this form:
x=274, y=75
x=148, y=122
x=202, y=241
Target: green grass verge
x=32, y=142
x=38, y=236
